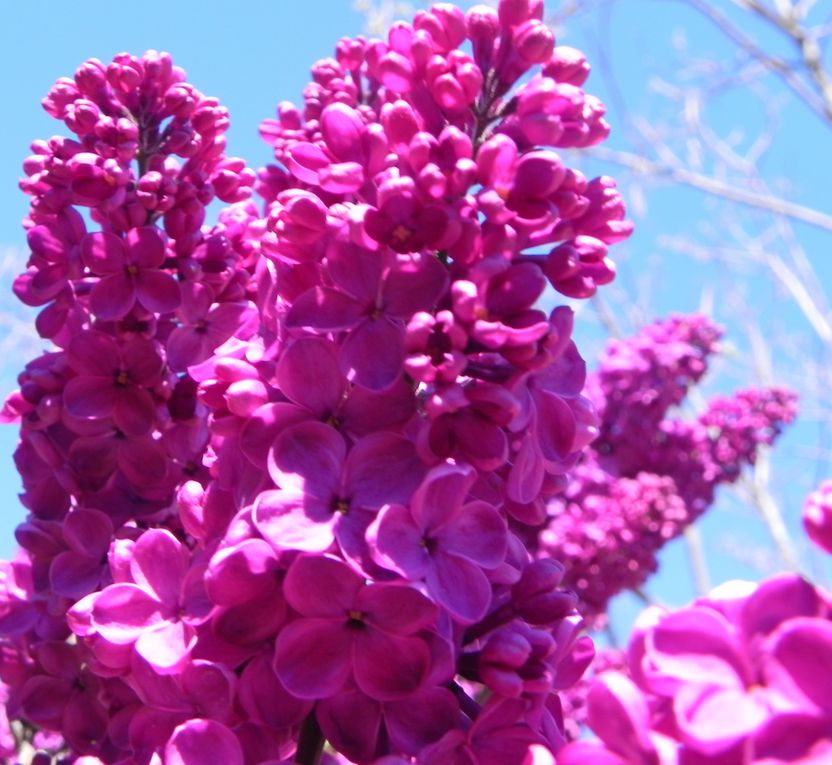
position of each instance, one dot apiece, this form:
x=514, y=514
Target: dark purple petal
x=441, y=494
x=93, y=397
x=146, y=247
x=325, y=309
x=396, y=543
x=382, y=468
x=421, y=719
x=351, y=722
x=460, y=586
x=373, y=353
x=416, y=283
x=308, y=373
x=318, y=585
x=133, y=410
x=113, y=296
x=396, y=608
x=94, y=353
x=103, y=252
x=388, y=666
x=313, y=657
x=477, y=532
x=158, y=291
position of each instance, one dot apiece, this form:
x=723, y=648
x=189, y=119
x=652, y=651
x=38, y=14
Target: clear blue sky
x=260, y=52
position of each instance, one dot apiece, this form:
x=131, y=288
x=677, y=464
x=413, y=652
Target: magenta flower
x=156, y=612
x=205, y=325
x=113, y=381
x=326, y=494
x=129, y=271
x=444, y=541
x=371, y=297
x=350, y=629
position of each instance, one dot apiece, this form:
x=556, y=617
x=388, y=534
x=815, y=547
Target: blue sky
x=259, y=54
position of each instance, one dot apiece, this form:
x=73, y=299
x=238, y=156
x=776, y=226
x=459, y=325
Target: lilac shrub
x=650, y=473
x=273, y=466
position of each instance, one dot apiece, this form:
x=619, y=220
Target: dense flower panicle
x=740, y=676
x=271, y=463
x=649, y=475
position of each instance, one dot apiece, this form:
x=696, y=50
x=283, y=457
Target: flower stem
x=310, y=741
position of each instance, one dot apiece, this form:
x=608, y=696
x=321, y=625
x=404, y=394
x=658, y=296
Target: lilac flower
x=130, y=272
x=349, y=629
x=443, y=540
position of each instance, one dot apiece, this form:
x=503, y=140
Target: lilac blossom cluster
x=272, y=465
x=741, y=677
x=649, y=475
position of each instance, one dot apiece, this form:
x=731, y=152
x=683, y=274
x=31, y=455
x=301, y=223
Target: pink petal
x=342, y=129
x=157, y=290
x=292, y=520
x=382, y=468
x=712, y=719
x=203, y=742
x=325, y=309
x=373, y=353
x=112, y=297
x=308, y=374
x=460, y=586
x=695, y=645
x=159, y=564
x=94, y=353
x=396, y=608
x=617, y=712
x=166, y=646
x=388, y=666
x=477, y=532
x=313, y=657
x=93, y=397
x=441, y=494
x=396, y=543
x=239, y=573
x=351, y=722
x=800, y=663
x=103, y=252
x=317, y=585
x=308, y=457
x=146, y=247
x=122, y=612
x=133, y=411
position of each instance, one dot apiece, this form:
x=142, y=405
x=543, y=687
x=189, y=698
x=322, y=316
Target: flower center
x=401, y=233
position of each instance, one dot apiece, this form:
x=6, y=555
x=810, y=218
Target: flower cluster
x=649, y=475
x=742, y=676
x=272, y=464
